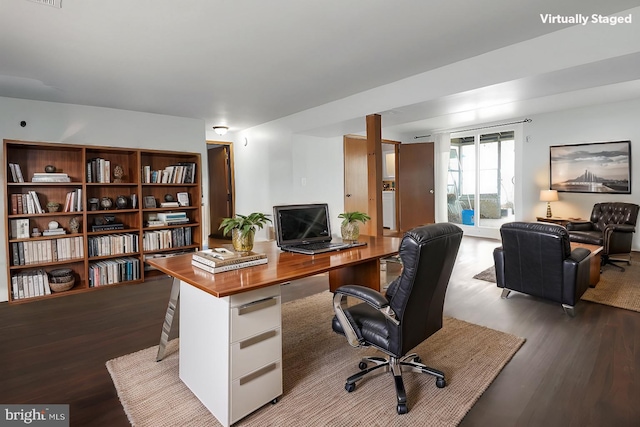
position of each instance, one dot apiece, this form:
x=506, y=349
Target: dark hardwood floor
x=577, y=372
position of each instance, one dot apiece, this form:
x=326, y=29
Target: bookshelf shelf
x=98, y=177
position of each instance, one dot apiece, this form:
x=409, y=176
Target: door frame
x=231, y=180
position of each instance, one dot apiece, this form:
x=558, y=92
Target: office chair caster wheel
x=440, y=383
x=417, y=359
x=349, y=387
x=362, y=366
x=402, y=409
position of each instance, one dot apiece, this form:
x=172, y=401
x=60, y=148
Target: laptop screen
x=297, y=224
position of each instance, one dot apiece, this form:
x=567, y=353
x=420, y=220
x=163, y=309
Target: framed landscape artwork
x=600, y=167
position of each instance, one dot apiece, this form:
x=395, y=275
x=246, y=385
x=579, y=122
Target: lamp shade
x=548, y=195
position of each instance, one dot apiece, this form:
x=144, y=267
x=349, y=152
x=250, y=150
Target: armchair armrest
x=498, y=259
x=622, y=228
x=578, y=254
x=367, y=295
x=579, y=226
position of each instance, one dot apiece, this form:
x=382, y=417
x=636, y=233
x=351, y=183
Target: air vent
x=54, y=3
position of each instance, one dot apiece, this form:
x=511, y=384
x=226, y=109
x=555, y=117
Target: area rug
x=616, y=288
x=316, y=363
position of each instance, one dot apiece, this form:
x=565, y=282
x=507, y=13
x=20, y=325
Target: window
x=482, y=168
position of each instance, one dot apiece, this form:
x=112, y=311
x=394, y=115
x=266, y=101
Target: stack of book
x=219, y=260
x=50, y=177
x=173, y=218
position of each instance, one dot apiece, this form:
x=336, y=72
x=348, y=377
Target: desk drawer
x=249, y=354
x=254, y=317
x=255, y=389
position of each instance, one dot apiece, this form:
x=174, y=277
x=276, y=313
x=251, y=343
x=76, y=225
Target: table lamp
x=548, y=196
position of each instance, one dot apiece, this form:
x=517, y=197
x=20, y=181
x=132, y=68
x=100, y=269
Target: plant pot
x=350, y=232
x=242, y=243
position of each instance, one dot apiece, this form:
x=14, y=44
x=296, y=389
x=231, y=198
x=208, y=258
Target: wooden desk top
x=282, y=266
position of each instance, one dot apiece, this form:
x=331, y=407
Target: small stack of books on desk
x=219, y=260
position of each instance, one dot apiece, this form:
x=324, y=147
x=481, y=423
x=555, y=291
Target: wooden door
x=416, y=185
x=220, y=187
x=356, y=177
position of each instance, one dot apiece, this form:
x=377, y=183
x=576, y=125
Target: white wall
x=76, y=124
x=277, y=166
x=600, y=123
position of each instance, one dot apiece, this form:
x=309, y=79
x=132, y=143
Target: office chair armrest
x=373, y=298
x=579, y=226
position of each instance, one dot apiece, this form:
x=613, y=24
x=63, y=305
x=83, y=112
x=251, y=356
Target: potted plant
x=243, y=229
x=349, y=228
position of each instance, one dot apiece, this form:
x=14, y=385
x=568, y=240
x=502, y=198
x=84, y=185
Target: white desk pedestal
x=231, y=349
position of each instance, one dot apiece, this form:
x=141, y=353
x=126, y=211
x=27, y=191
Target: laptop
x=306, y=229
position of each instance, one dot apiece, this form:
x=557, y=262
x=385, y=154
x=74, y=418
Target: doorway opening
x=221, y=185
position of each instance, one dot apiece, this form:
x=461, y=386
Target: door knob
x=431, y=191
x=348, y=195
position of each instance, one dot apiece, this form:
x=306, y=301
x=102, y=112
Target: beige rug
x=316, y=363
x=615, y=288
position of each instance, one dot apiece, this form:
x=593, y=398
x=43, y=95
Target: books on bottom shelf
x=227, y=267
x=29, y=284
x=113, y=271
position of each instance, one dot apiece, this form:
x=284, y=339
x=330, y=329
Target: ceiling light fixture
x=220, y=130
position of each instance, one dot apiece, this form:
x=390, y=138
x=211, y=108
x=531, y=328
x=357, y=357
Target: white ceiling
x=242, y=63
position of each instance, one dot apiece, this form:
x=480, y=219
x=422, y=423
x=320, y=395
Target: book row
x=117, y=270
x=26, y=203
x=181, y=173
x=167, y=239
x=98, y=170
x=16, y=172
x=29, y=284
x=112, y=244
x=43, y=251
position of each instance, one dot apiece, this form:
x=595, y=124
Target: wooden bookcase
x=108, y=248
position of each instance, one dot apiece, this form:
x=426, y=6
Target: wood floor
x=583, y=371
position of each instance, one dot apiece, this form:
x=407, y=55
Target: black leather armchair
x=409, y=312
x=611, y=226
x=536, y=259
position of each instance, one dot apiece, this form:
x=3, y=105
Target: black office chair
x=611, y=225
x=409, y=312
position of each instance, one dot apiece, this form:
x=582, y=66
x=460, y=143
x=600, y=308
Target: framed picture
x=599, y=167
x=149, y=202
x=183, y=199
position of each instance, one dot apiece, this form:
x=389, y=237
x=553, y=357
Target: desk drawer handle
x=260, y=372
x=258, y=338
x=257, y=305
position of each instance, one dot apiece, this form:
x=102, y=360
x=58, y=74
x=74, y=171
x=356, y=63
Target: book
x=229, y=267
x=214, y=258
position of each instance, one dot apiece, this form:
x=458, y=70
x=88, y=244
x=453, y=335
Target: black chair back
x=534, y=254
x=428, y=255
x=613, y=213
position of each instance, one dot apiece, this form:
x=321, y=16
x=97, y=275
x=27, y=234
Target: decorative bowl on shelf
x=53, y=206
x=61, y=279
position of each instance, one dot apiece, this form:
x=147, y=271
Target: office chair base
x=393, y=364
x=612, y=261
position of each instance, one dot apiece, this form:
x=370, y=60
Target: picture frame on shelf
x=183, y=199
x=599, y=167
x=149, y=202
